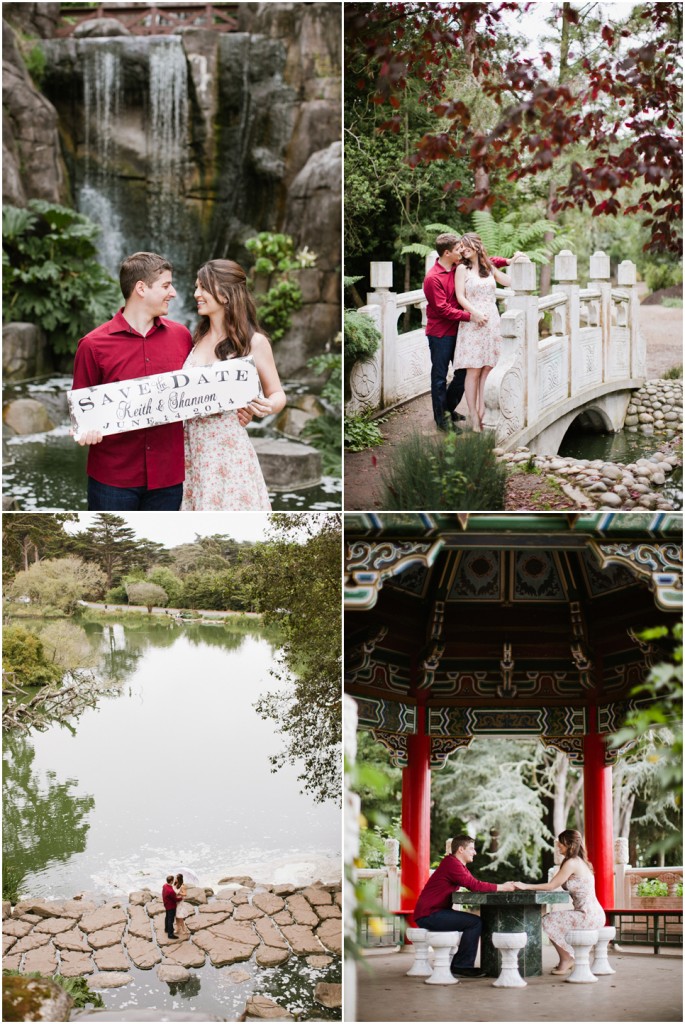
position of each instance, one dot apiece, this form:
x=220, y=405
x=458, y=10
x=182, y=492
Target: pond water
x=623, y=447
x=169, y=771
x=47, y=472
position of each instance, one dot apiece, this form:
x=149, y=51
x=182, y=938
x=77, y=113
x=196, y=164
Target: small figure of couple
x=145, y=469
x=434, y=905
x=462, y=324
x=174, y=893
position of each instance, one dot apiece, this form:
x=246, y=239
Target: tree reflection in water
x=43, y=819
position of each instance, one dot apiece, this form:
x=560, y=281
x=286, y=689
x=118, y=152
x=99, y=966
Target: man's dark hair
x=459, y=842
x=141, y=266
x=445, y=243
x=169, y=879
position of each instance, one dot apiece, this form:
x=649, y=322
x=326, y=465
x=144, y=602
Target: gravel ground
x=663, y=331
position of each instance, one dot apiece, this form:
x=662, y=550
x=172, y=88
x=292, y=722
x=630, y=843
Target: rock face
x=34, y=999
x=26, y=416
x=23, y=351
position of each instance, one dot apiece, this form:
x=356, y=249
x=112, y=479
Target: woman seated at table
x=576, y=877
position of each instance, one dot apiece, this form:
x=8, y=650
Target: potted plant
x=655, y=893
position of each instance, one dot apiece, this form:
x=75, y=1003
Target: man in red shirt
x=443, y=316
x=434, y=905
x=170, y=899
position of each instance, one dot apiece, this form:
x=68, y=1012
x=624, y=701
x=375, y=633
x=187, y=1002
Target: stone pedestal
x=509, y=945
x=442, y=943
x=421, y=967
x=600, y=964
x=582, y=941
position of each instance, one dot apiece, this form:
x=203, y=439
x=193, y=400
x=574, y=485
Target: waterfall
x=101, y=92
x=168, y=113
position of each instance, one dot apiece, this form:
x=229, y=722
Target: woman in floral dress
x=222, y=468
x=478, y=346
x=576, y=877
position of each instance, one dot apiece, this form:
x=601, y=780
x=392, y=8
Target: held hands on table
x=258, y=407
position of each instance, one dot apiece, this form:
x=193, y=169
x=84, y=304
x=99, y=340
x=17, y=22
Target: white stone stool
x=509, y=943
x=441, y=943
x=421, y=967
x=582, y=941
x=601, y=963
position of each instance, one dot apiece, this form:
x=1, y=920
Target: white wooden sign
x=163, y=398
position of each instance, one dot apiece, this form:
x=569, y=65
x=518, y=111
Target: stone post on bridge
x=566, y=274
x=383, y=297
x=522, y=275
x=600, y=278
x=627, y=279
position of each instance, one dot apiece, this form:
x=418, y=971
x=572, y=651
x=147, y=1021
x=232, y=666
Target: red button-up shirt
x=449, y=875
x=443, y=312
x=153, y=456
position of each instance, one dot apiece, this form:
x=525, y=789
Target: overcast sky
x=172, y=528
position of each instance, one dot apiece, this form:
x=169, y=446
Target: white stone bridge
x=576, y=352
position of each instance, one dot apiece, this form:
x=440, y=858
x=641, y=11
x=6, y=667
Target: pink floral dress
x=479, y=346
x=587, y=912
x=222, y=468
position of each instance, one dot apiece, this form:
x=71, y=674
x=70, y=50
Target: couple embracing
x=145, y=469
x=462, y=324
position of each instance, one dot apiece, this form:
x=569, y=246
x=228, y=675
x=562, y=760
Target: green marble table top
x=521, y=897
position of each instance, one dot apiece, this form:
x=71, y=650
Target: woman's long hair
x=226, y=281
x=575, y=846
x=178, y=882
x=474, y=242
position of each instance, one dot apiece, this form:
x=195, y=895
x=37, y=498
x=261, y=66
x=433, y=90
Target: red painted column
x=599, y=828
x=416, y=815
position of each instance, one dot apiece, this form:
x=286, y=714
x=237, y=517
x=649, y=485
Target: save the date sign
x=163, y=398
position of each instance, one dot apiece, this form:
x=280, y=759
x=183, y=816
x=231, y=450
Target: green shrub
x=276, y=259
x=362, y=432
x=324, y=432
x=362, y=337
x=457, y=472
x=50, y=273
x=651, y=887
x=675, y=373
x=661, y=275
x=35, y=61
x=679, y=890
x=12, y=882
x=117, y=595
x=23, y=655
x=672, y=303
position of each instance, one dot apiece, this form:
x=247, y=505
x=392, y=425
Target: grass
x=675, y=373
x=672, y=303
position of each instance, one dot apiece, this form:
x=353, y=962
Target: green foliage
x=24, y=656
x=116, y=595
x=513, y=233
x=457, y=472
x=12, y=882
x=50, y=273
x=679, y=890
x=362, y=337
x=59, y=583
x=276, y=259
x=330, y=363
x=78, y=989
x=362, y=432
x=661, y=275
x=172, y=584
x=672, y=303
x=36, y=61
x=324, y=434
x=675, y=373
x=651, y=887
x=148, y=594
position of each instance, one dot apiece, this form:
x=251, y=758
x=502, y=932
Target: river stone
x=109, y=979
x=284, y=918
x=6, y=909
x=143, y=952
x=236, y=931
x=54, y=925
x=74, y=964
x=263, y=1008
x=140, y=898
x=316, y=896
x=328, y=912
x=238, y=880
x=268, y=956
x=17, y=928
x=29, y=942
x=611, y=500
x=27, y=416
x=38, y=908
x=267, y=902
x=7, y=942
x=139, y=923
x=217, y=907
x=195, y=895
x=73, y=940
x=329, y=994
x=301, y=910
x=284, y=890
x=247, y=913
x=113, y=959
x=658, y=478
x=43, y=960
x=106, y=937
x=173, y=974
x=330, y=933
x=238, y=976
x=99, y=27
x=34, y=999
x=186, y=954
x=104, y=917
x=270, y=934
x=319, y=962
x=221, y=951
x=302, y=939
x=200, y=921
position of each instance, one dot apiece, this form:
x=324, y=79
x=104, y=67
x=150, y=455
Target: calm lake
x=170, y=772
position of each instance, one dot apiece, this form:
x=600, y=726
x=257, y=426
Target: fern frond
x=416, y=249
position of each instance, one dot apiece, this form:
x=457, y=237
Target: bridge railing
x=573, y=345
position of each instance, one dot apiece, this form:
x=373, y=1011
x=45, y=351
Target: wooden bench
x=657, y=927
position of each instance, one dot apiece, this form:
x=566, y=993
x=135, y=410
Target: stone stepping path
x=263, y=924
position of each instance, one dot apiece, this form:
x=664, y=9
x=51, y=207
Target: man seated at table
x=434, y=905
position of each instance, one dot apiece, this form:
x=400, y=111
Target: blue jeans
x=456, y=921
x=445, y=399
x=106, y=498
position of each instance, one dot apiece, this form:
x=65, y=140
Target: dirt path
x=663, y=331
